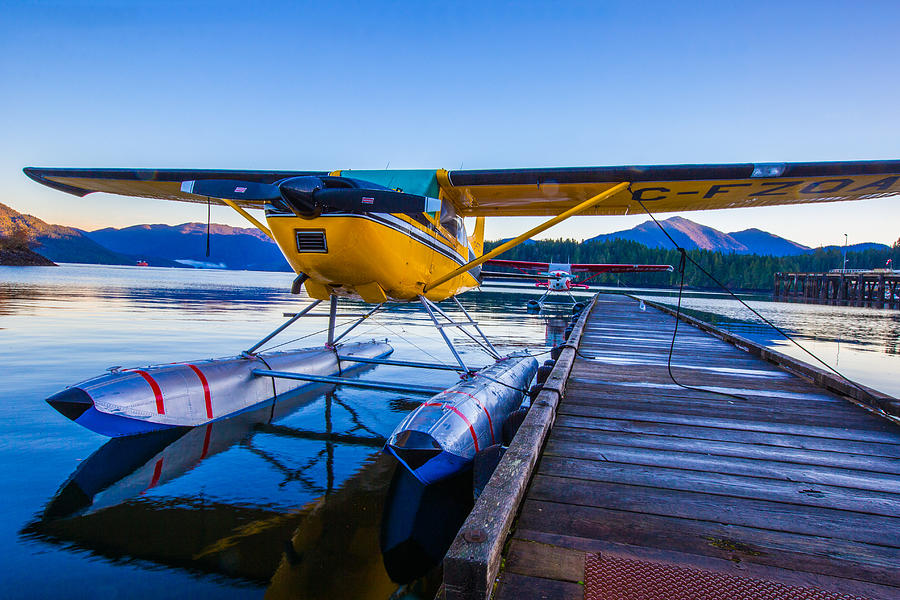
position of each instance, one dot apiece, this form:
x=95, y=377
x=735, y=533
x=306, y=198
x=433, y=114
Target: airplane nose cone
x=71, y=402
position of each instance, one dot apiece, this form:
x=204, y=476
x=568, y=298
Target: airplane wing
x=153, y=183
x=666, y=188
x=614, y=268
x=518, y=264
x=542, y=192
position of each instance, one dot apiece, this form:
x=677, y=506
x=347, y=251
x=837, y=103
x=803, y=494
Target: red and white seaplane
x=562, y=277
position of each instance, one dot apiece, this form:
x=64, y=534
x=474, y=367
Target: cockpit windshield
x=453, y=223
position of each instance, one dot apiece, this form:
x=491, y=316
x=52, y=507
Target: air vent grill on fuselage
x=311, y=240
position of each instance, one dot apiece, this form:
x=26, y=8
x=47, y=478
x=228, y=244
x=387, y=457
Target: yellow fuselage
x=373, y=256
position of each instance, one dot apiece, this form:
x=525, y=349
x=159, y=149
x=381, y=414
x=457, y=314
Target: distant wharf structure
x=621, y=484
x=871, y=288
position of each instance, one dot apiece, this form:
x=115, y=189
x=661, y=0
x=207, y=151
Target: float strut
x=493, y=350
x=358, y=321
x=360, y=383
x=452, y=323
x=440, y=329
x=282, y=328
x=332, y=315
x=399, y=363
x=544, y=297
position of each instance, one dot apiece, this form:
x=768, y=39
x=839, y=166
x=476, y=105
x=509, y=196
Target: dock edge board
x=473, y=561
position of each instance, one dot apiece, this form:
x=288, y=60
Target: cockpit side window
x=448, y=217
x=452, y=222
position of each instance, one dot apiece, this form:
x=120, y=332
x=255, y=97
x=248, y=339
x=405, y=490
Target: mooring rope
x=686, y=257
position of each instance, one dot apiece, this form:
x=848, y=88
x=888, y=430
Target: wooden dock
x=872, y=289
x=792, y=483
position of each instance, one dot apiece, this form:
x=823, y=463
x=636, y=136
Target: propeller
x=309, y=196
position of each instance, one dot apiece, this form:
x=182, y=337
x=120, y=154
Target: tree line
x=737, y=271
x=17, y=239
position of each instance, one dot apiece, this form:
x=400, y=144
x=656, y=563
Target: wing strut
x=587, y=204
x=249, y=217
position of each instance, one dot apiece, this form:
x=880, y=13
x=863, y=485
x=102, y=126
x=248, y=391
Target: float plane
x=562, y=277
x=399, y=236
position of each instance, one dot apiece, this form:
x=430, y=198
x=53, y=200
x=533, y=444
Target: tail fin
x=476, y=240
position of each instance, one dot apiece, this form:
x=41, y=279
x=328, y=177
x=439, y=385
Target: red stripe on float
x=206, y=396
x=160, y=407
x=462, y=416
x=157, y=472
x=490, y=422
x=206, y=441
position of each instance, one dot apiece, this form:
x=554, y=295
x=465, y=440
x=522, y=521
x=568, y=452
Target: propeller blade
x=308, y=196
x=232, y=189
x=357, y=200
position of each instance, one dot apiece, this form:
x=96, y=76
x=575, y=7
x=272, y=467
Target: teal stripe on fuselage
x=412, y=181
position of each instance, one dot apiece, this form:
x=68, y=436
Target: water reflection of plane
x=125, y=468
x=420, y=522
x=328, y=547
x=555, y=332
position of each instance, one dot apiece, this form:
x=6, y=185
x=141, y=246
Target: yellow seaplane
x=400, y=236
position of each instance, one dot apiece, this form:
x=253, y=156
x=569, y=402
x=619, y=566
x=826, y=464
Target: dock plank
x=765, y=488
x=728, y=510
x=845, y=460
x=819, y=554
x=778, y=439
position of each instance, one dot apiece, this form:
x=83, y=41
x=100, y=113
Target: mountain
x=230, y=247
x=693, y=236
x=762, y=242
x=686, y=233
x=59, y=243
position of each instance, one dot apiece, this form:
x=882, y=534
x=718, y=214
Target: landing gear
x=433, y=311
x=539, y=304
x=439, y=318
x=332, y=323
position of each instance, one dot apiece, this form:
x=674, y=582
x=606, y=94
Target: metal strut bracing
x=493, y=351
x=543, y=297
x=357, y=322
x=332, y=318
x=431, y=308
x=333, y=339
x=290, y=322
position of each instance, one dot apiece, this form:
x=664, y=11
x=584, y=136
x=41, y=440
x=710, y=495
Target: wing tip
x=39, y=174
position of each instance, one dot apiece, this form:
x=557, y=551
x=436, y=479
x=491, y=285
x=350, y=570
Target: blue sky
x=291, y=85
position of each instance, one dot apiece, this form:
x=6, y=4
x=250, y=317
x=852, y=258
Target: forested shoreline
x=737, y=271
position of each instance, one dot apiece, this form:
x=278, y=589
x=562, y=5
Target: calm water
x=265, y=505
x=268, y=507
